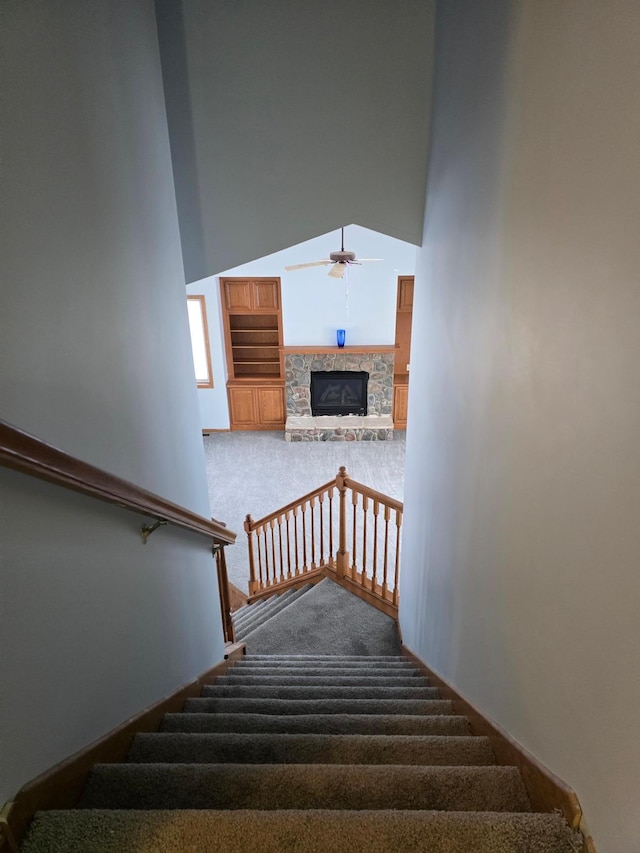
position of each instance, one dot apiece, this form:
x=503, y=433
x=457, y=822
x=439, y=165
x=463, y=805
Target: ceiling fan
x=339, y=261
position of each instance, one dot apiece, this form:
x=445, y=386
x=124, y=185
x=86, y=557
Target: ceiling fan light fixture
x=339, y=261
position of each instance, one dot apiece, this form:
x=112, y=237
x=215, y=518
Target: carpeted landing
x=320, y=619
x=307, y=753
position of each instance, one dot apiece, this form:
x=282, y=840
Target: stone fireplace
x=376, y=362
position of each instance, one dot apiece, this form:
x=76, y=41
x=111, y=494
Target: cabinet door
x=242, y=406
x=237, y=295
x=270, y=406
x=400, y=402
x=405, y=293
x=265, y=295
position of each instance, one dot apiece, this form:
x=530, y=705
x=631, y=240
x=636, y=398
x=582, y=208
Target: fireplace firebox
x=339, y=392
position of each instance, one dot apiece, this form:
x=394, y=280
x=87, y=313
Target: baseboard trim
x=365, y=594
x=61, y=785
x=7, y=841
x=546, y=791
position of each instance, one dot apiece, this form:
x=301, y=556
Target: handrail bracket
x=147, y=529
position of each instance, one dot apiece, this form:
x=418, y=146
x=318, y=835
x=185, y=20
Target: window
x=200, y=341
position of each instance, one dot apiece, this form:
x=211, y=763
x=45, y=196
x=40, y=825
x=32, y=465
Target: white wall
x=520, y=557
x=288, y=119
x=314, y=305
x=94, y=358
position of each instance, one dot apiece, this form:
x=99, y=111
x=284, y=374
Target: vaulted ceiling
x=290, y=119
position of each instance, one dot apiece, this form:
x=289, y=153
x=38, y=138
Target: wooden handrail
x=30, y=455
x=252, y=524
x=371, y=493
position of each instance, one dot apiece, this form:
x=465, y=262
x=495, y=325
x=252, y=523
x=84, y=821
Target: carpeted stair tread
x=258, y=609
x=305, y=659
x=248, y=609
x=312, y=672
x=388, y=724
x=323, y=691
x=320, y=680
x=334, y=664
x=304, y=786
x=318, y=706
x=271, y=607
x=243, y=626
x=315, y=667
x=310, y=749
x=313, y=831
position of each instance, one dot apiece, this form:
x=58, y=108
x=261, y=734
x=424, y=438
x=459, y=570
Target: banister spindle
x=287, y=517
x=312, y=506
x=273, y=549
x=264, y=579
x=330, y=494
x=354, y=542
x=365, y=515
x=385, y=569
x=304, y=538
x=321, y=514
x=280, y=547
x=397, y=567
x=374, y=568
x=295, y=537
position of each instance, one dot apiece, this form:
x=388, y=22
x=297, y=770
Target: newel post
x=253, y=584
x=342, y=557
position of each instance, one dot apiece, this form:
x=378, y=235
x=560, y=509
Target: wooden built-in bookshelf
x=252, y=319
x=255, y=345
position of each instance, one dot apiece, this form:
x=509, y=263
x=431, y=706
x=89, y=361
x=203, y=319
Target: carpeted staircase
x=307, y=753
x=249, y=618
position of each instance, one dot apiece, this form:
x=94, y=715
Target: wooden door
x=237, y=294
x=405, y=293
x=404, y=315
x=242, y=406
x=265, y=295
x=270, y=406
x=400, y=402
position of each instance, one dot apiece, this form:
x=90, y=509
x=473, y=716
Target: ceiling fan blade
x=305, y=266
x=360, y=260
x=338, y=270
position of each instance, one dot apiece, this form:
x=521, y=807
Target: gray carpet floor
x=258, y=472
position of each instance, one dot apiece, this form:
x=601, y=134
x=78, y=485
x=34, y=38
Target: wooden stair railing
x=295, y=544
x=30, y=455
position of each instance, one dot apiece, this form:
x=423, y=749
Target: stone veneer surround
x=376, y=426
x=379, y=366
